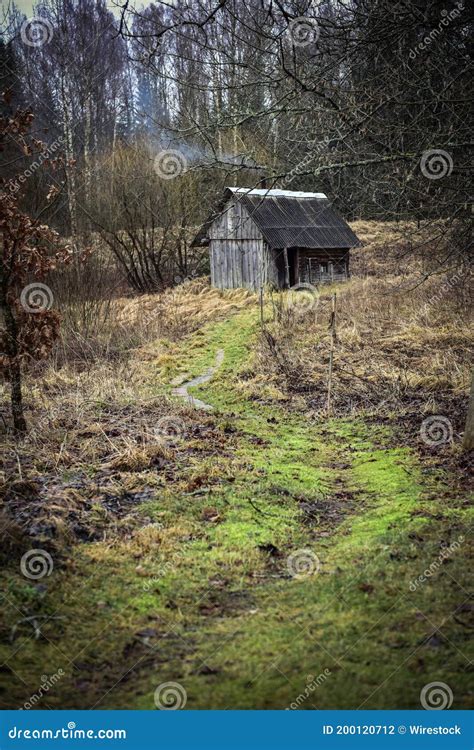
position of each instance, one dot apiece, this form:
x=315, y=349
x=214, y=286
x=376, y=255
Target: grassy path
x=206, y=595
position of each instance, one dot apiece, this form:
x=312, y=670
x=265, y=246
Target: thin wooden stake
x=287, y=268
x=332, y=326
x=261, y=307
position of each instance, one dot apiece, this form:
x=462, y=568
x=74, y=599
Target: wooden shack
x=280, y=237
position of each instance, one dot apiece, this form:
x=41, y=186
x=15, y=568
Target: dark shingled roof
x=290, y=219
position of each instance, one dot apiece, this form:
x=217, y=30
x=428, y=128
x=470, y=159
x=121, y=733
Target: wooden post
x=287, y=268
x=261, y=307
x=332, y=326
x=468, y=440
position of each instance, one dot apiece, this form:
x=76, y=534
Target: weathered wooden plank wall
x=238, y=254
x=338, y=257
x=270, y=263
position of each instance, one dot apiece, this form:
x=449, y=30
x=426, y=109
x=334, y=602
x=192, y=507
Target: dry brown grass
x=176, y=313
x=395, y=348
x=96, y=435
x=395, y=248
x=81, y=472
x=132, y=324
x=182, y=309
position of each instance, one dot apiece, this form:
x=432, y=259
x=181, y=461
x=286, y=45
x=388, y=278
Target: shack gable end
x=239, y=256
x=234, y=223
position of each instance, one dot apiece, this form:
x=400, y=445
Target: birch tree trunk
x=87, y=151
x=69, y=148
